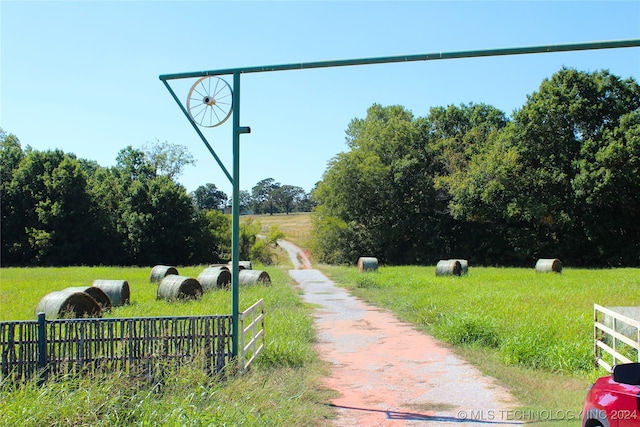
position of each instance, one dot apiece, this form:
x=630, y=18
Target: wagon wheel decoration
x=210, y=101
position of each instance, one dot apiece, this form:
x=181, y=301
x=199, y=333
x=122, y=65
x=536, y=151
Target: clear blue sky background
x=83, y=76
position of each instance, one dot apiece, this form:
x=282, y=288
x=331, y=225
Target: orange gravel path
x=389, y=374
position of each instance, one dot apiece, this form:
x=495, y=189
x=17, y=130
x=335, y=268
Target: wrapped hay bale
x=68, y=304
x=367, y=264
x=253, y=277
x=244, y=265
x=159, y=272
x=222, y=266
x=174, y=287
x=464, y=264
x=96, y=293
x=448, y=267
x=214, y=278
x=117, y=291
x=548, y=265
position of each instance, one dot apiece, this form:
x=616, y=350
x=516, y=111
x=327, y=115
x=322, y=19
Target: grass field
x=532, y=331
x=295, y=226
x=282, y=388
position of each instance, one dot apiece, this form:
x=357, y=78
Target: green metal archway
x=234, y=178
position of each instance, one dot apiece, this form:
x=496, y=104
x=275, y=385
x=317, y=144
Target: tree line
x=560, y=177
x=57, y=209
x=266, y=197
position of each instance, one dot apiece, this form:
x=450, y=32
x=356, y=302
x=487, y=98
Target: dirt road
x=387, y=372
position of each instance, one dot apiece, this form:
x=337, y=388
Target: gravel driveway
x=387, y=372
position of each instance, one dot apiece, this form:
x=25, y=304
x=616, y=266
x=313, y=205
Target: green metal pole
x=612, y=44
x=235, y=221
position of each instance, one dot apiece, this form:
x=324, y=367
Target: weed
x=468, y=330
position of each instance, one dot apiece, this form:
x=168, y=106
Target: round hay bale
x=214, y=278
x=222, y=266
x=548, y=266
x=448, y=267
x=253, y=277
x=68, y=304
x=96, y=293
x=117, y=291
x=174, y=287
x=244, y=265
x=367, y=264
x=159, y=272
x=464, y=264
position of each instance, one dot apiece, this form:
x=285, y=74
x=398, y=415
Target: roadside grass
x=532, y=331
x=281, y=388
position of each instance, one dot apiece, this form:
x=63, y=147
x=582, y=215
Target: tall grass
x=532, y=331
x=541, y=321
x=281, y=388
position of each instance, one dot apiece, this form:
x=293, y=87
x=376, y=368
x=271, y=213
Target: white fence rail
x=616, y=337
x=252, y=338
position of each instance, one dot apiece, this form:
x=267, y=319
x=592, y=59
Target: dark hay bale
x=253, y=277
x=464, y=264
x=174, y=287
x=549, y=266
x=448, y=267
x=214, y=278
x=159, y=272
x=117, y=290
x=96, y=293
x=68, y=304
x=367, y=264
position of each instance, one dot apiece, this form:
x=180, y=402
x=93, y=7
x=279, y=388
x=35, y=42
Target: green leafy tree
x=208, y=196
x=11, y=155
x=159, y=223
x=57, y=226
x=219, y=227
x=288, y=196
x=380, y=193
x=264, y=196
x=536, y=176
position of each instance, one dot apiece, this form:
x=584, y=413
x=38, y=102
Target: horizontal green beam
x=412, y=58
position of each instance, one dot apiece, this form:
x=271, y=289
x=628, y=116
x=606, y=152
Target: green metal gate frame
x=238, y=130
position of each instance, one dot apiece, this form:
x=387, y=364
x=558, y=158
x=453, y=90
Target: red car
x=614, y=400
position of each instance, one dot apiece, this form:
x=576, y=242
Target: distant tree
x=287, y=196
x=245, y=200
x=208, y=196
x=168, y=159
x=263, y=194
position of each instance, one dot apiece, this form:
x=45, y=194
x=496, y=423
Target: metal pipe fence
x=44, y=348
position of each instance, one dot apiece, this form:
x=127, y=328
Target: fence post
x=42, y=348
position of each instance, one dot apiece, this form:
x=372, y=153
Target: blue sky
x=83, y=76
